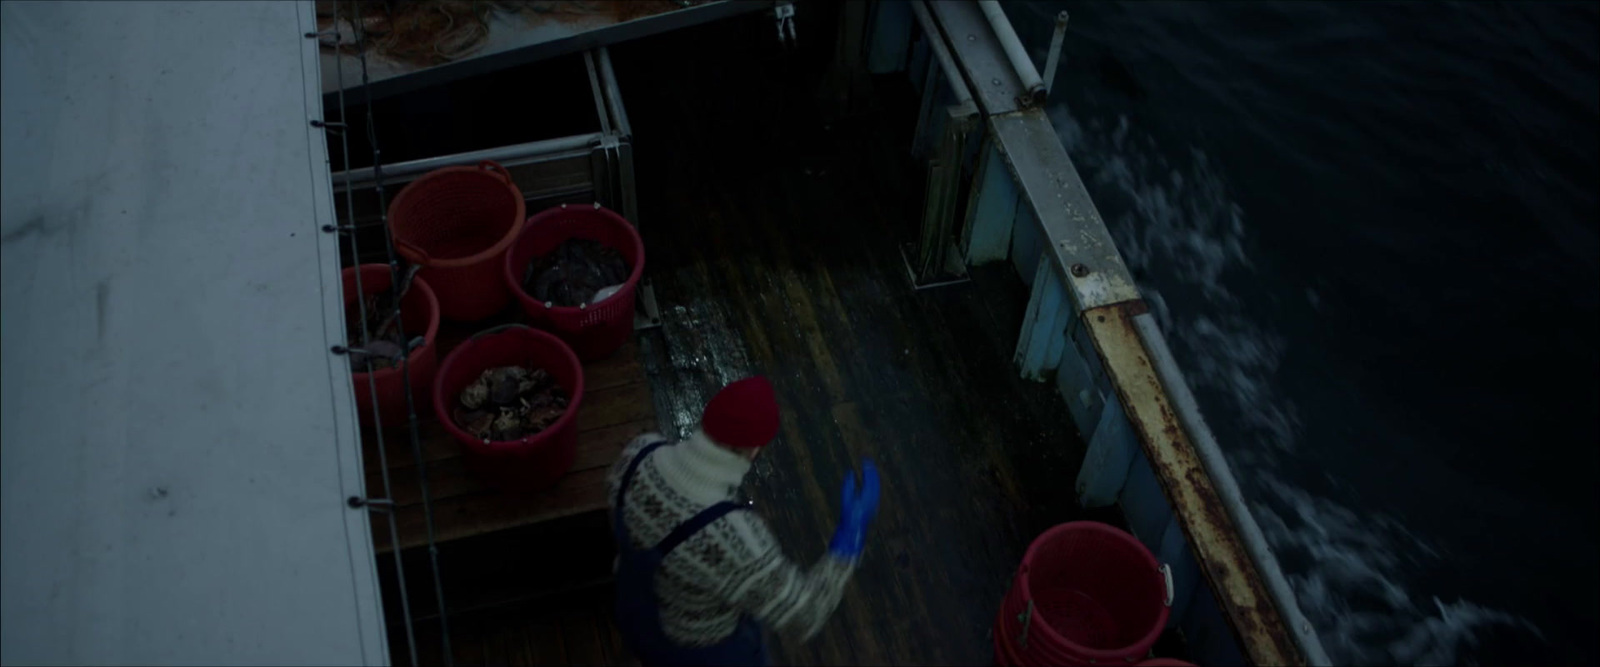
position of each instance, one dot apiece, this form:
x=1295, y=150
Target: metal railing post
x=1053, y=56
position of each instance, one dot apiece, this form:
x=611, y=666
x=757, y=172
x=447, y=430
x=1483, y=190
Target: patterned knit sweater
x=734, y=566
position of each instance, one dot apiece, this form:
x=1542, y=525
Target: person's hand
x=860, y=505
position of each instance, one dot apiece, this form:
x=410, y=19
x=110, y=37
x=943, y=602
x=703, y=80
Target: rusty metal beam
x=1221, y=475
x=1226, y=563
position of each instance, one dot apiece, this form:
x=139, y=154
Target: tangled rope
x=425, y=33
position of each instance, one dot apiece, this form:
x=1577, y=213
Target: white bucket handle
x=1166, y=575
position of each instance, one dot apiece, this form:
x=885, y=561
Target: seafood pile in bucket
x=510, y=403
x=382, y=346
x=579, y=272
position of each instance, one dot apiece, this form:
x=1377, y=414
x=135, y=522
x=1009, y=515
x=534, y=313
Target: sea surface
x=1371, y=233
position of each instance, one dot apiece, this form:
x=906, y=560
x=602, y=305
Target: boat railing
x=1086, y=328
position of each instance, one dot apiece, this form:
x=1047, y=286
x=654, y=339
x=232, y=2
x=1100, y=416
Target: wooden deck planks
x=778, y=254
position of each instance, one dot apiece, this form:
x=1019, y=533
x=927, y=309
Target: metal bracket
x=329, y=127
x=783, y=13
x=648, y=314
x=955, y=270
x=373, y=504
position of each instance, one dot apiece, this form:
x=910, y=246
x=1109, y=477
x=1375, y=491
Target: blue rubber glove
x=859, y=507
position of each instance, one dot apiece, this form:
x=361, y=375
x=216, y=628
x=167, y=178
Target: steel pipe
x=608, y=78
x=599, y=97
x=1053, y=57
x=940, y=53
x=1018, y=56
x=507, y=155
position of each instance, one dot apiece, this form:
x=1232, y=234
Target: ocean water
x=1371, y=233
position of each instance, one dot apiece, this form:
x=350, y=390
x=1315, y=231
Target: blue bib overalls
x=638, y=610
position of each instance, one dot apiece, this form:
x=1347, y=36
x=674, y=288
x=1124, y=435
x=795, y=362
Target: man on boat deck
x=699, y=574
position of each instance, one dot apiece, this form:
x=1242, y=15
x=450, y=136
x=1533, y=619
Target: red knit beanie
x=744, y=415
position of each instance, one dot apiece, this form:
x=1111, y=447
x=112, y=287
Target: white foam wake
x=1175, y=223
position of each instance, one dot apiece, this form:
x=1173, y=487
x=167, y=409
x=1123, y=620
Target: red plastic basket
x=1097, y=597
x=534, y=462
x=419, y=315
x=593, y=331
x=457, y=222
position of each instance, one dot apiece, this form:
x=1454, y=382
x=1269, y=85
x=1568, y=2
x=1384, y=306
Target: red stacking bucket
x=596, y=331
x=1086, y=594
x=534, y=462
x=419, y=316
x=456, y=223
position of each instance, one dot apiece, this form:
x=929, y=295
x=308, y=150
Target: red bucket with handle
x=1085, y=594
x=419, y=316
x=593, y=330
x=456, y=223
x=534, y=462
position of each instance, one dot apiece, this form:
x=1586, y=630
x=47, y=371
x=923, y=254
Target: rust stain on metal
x=1228, y=568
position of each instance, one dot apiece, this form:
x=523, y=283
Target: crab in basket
x=510, y=403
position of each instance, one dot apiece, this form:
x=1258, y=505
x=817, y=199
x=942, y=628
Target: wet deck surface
x=772, y=230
